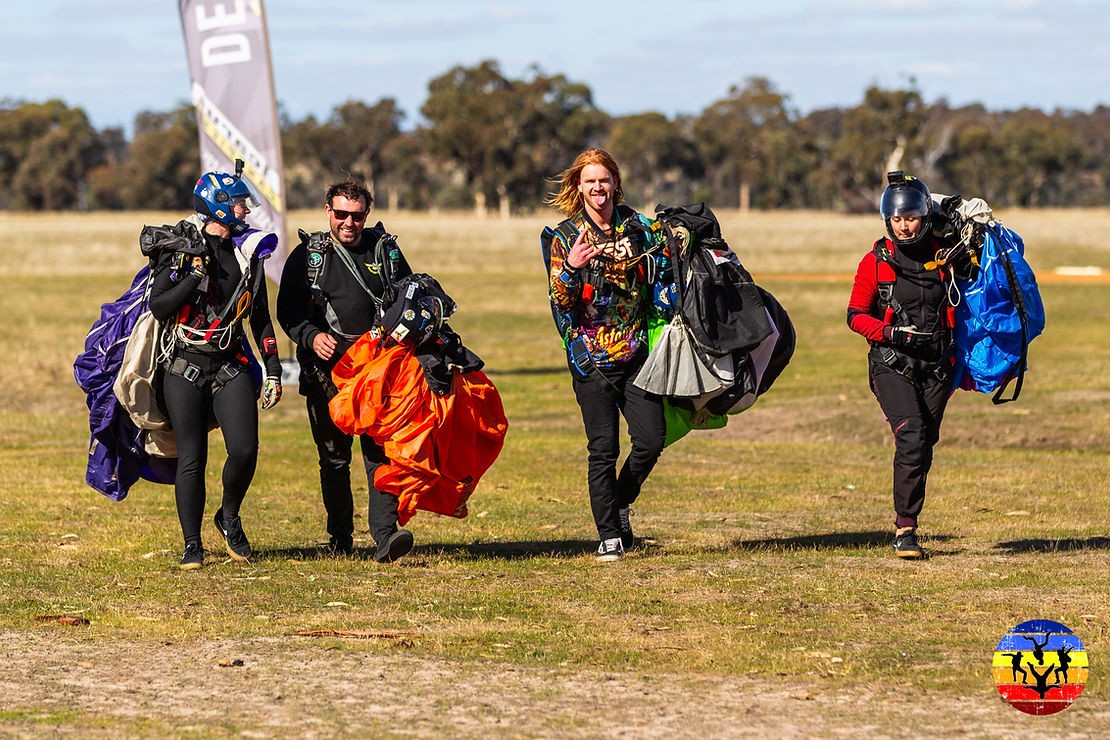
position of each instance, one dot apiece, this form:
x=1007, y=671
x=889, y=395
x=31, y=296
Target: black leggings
x=236, y=411
x=914, y=411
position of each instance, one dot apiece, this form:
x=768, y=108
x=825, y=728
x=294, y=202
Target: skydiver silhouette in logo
x=1042, y=686
x=1015, y=666
x=1065, y=661
x=1038, y=647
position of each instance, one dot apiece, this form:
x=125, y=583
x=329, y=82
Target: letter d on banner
x=233, y=92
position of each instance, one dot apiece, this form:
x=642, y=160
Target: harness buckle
x=184, y=368
x=580, y=357
x=226, y=374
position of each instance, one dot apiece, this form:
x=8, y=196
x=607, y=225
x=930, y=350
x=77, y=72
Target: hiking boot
x=231, y=529
x=905, y=545
x=340, y=546
x=628, y=541
x=193, y=557
x=610, y=550
x=398, y=545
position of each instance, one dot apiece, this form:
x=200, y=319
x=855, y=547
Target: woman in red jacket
x=900, y=305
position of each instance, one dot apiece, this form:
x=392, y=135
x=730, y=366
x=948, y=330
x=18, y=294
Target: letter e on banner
x=226, y=48
x=220, y=18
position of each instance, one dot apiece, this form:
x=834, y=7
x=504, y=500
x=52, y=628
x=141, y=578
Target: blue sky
x=115, y=58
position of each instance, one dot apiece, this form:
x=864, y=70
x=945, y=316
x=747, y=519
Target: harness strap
x=896, y=362
x=885, y=277
x=319, y=245
x=1018, y=374
x=196, y=375
x=236, y=299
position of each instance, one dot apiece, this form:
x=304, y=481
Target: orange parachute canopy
x=438, y=446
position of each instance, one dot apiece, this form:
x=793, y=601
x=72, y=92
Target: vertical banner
x=233, y=92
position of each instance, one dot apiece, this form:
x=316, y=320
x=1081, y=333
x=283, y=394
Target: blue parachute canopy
x=1000, y=314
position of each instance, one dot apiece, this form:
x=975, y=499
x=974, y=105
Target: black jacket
x=173, y=288
x=302, y=317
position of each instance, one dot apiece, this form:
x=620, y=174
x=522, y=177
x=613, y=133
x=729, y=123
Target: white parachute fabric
x=975, y=210
x=674, y=369
x=233, y=93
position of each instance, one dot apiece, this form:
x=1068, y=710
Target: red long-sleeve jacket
x=920, y=292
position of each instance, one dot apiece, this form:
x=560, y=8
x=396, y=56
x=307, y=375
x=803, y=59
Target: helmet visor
x=242, y=188
x=904, y=202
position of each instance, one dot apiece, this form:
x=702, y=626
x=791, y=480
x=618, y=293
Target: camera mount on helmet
x=216, y=192
x=905, y=195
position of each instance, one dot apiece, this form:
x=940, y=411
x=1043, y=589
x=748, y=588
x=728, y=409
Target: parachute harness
x=219, y=333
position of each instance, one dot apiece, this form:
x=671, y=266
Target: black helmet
x=906, y=196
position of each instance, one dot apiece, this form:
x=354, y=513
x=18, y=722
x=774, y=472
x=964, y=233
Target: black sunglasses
x=358, y=216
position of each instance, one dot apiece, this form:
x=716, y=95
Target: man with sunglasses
x=332, y=288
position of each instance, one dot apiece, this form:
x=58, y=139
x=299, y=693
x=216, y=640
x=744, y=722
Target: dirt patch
x=304, y=687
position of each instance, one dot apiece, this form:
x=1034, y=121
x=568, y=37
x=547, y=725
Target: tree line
x=490, y=142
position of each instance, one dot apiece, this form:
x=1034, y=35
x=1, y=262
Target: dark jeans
x=236, y=411
x=602, y=398
x=334, y=448
x=914, y=411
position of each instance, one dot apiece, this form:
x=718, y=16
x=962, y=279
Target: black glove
x=946, y=219
x=906, y=337
x=949, y=205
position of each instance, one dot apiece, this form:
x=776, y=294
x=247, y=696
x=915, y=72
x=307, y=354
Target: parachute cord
x=220, y=338
x=441, y=319
x=166, y=346
x=953, y=289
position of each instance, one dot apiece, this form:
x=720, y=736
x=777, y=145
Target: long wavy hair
x=568, y=200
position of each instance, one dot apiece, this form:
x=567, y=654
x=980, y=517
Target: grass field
x=766, y=600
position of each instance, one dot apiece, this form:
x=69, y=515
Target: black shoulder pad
x=317, y=241
x=625, y=211
x=568, y=231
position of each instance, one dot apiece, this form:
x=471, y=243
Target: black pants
x=914, y=410
x=235, y=407
x=334, y=448
x=602, y=398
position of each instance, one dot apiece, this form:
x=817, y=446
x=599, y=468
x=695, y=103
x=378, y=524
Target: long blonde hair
x=568, y=199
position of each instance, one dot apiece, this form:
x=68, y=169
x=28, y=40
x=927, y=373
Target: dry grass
x=766, y=571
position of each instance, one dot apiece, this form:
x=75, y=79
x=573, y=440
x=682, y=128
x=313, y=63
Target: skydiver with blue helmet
x=207, y=281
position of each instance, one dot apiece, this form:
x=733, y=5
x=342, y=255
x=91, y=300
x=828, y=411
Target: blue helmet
x=214, y=194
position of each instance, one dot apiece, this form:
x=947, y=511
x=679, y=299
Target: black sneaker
x=193, y=557
x=340, y=546
x=231, y=529
x=398, y=545
x=628, y=541
x=905, y=546
x=610, y=550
